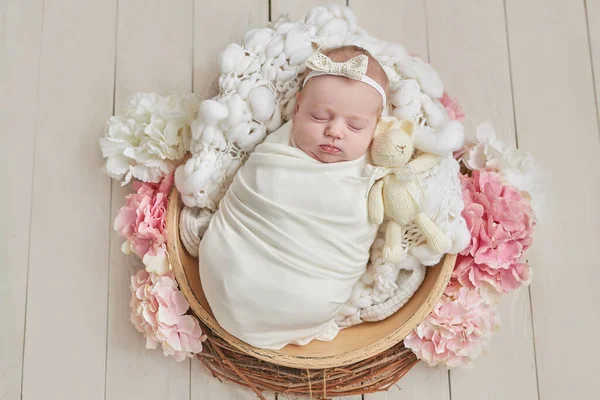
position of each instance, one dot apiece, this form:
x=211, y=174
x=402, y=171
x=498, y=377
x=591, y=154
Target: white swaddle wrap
x=289, y=241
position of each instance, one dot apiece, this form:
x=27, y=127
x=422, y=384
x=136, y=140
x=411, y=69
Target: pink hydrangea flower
x=142, y=219
x=457, y=329
x=158, y=311
x=502, y=280
x=454, y=110
x=501, y=222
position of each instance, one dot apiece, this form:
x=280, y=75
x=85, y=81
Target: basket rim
x=175, y=246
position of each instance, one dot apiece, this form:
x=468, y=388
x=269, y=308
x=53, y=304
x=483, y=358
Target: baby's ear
x=407, y=126
x=297, y=103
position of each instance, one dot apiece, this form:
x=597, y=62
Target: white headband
x=355, y=68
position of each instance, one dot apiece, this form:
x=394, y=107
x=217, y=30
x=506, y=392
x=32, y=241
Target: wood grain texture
x=65, y=340
x=421, y=382
x=459, y=33
x=555, y=109
x=404, y=22
x=205, y=386
x=147, y=60
x=20, y=41
x=593, y=25
x=297, y=10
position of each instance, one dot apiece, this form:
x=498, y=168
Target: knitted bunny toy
x=396, y=193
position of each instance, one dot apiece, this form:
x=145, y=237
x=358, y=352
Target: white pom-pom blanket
x=257, y=87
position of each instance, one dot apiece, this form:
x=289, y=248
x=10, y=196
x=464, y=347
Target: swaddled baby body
x=292, y=235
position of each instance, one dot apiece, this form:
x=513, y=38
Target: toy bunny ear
x=408, y=126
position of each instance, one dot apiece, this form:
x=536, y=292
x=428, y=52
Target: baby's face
x=335, y=118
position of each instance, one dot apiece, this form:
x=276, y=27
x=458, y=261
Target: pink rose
x=501, y=222
x=454, y=110
x=142, y=219
x=158, y=310
x=457, y=329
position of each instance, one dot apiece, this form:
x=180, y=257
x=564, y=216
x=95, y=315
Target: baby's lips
x=330, y=148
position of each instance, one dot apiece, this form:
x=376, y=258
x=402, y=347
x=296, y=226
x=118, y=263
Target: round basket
x=352, y=345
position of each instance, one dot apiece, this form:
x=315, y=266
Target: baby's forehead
x=339, y=92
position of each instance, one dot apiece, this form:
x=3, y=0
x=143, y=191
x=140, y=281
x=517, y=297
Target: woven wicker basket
x=352, y=345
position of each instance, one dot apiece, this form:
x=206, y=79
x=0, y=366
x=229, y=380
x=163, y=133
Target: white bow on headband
x=355, y=68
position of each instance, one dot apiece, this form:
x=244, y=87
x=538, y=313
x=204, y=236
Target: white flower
x=486, y=151
x=148, y=137
x=158, y=263
x=516, y=167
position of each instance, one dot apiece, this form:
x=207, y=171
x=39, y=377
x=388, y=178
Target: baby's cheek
x=365, y=143
x=310, y=133
x=304, y=136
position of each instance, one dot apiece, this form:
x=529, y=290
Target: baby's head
x=336, y=116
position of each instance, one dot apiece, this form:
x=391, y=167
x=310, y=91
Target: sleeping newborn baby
x=292, y=236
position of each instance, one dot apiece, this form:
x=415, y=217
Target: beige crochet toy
x=396, y=194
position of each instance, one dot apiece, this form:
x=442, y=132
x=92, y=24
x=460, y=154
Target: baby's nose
x=335, y=130
x=334, y=133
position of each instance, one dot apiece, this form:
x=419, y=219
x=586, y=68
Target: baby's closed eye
x=357, y=125
x=319, y=117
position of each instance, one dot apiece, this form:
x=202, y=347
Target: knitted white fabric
x=391, y=283
x=408, y=282
x=192, y=226
x=257, y=93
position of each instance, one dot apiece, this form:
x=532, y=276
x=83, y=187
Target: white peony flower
x=146, y=140
x=516, y=167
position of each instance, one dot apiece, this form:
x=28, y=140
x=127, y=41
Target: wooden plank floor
x=531, y=67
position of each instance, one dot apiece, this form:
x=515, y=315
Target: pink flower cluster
x=454, y=110
x=158, y=311
x=142, y=219
x=457, y=329
x=501, y=222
